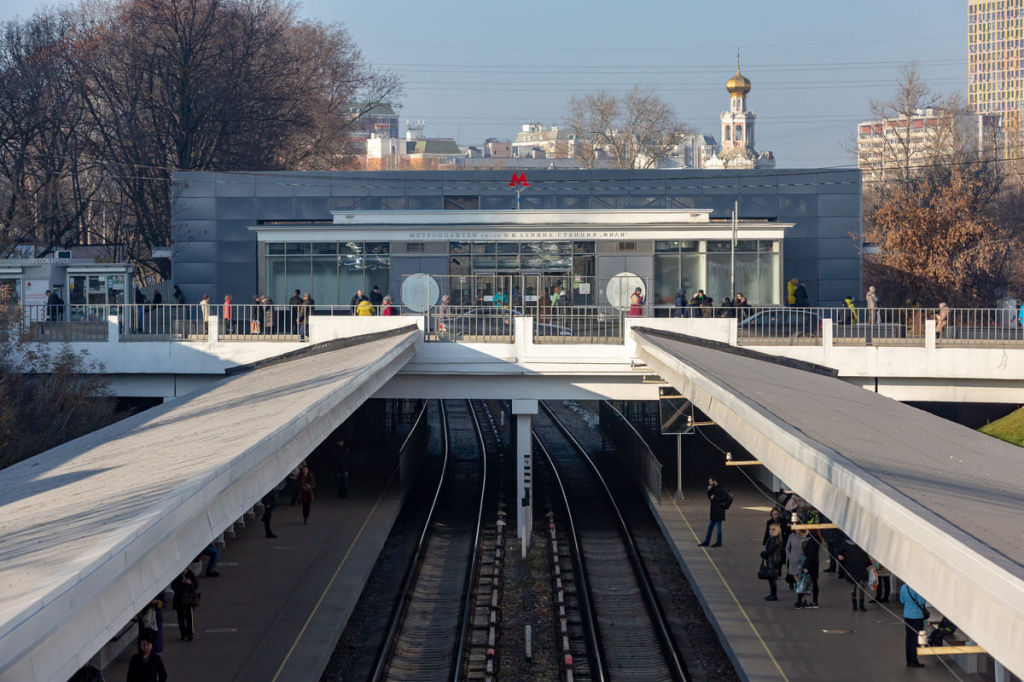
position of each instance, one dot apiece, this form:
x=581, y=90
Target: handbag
x=765, y=572
x=803, y=584
x=149, y=618
x=192, y=598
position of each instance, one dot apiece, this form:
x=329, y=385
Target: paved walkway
x=279, y=605
x=770, y=640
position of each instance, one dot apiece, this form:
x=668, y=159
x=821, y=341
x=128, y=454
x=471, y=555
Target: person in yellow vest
x=791, y=291
x=364, y=308
x=852, y=315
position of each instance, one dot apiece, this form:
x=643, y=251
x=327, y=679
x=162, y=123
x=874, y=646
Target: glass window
x=77, y=294
x=325, y=282
x=508, y=247
x=350, y=247
x=666, y=278
x=299, y=274
x=325, y=249
x=583, y=247
x=530, y=247
x=378, y=247
x=689, y=246
x=295, y=249
x=719, y=246
x=456, y=248
x=666, y=247
x=483, y=263
x=277, y=285
x=483, y=247
x=115, y=289
x=458, y=266
x=691, y=269
x=275, y=249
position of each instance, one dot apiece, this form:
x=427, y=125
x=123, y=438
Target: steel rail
x=594, y=650
x=657, y=615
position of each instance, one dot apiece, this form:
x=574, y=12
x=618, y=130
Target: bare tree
x=637, y=129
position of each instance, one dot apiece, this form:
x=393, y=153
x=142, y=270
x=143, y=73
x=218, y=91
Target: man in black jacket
x=357, y=299
x=294, y=302
x=854, y=563
x=376, y=299
x=717, y=496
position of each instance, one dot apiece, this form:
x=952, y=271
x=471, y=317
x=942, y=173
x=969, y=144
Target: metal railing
x=64, y=323
x=161, y=322
x=580, y=324
x=478, y=323
x=860, y=326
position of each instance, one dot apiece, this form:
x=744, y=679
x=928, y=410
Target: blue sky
x=480, y=69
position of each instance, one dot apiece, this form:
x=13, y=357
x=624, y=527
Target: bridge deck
x=90, y=530
x=938, y=503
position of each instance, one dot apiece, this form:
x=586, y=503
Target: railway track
x=428, y=635
x=630, y=637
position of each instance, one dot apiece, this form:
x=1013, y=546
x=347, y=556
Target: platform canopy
x=91, y=530
x=938, y=503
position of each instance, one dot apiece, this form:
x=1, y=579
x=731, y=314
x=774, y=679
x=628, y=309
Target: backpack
x=944, y=630
x=727, y=499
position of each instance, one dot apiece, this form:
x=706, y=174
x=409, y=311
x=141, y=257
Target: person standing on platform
x=356, y=299
x=773, y=553
x=810, y=548
x=293, y=311
x=800, y=297
x=204, y=310
x=389, y=310
x=305, y=310
x=681, y=303
x=292, y=483
x=794, y=550
x=179, y=299
x=855, y=565
x=376, y=299
x=941, y=320
x=914, y=606
x=636, y=303
x=185, y=587
x=307, y=482
x=269, y=502
x=146, y=666
x=717, y=495
x=364, y=309
x=212, y=551
x=54, y=307
x=229, y=326
x=791, y=291
x=151, y=619
x=871, y=298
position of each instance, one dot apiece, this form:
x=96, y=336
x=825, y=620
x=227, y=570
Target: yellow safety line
x=731, y=593
x=333, y=578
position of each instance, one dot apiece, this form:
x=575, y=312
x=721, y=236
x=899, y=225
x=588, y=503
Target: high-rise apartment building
x=995, y=71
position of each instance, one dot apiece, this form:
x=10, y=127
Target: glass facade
x=706, y=264
x=330, y=271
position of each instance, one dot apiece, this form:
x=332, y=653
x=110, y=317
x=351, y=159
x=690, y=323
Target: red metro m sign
x=518, y=181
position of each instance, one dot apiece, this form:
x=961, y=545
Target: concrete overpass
x=937, y=503
x=527, y=369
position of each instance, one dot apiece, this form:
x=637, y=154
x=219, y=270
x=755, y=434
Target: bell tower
x=738, y=123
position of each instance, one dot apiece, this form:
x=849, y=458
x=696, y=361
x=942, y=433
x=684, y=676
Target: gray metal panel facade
x=215, y=253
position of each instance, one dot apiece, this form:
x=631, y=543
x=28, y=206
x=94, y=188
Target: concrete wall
x=215, y=252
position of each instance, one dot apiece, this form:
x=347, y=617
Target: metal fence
x=954, y=327
x=64, y=323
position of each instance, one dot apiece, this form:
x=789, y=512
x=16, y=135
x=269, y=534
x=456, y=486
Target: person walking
x=871, y=298
x=179, y=299
x=269, y=502
x=54, y=307
x=851, y=316
x=307, y=482
x=772, y=553
x=146, y=665
x=855, y=565
x=186, y=587
x=718, y=497
x=914, y=607
x=292, y=484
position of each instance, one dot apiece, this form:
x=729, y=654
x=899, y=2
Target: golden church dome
x=738, y=84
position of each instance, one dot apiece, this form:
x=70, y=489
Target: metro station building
x=331, y=233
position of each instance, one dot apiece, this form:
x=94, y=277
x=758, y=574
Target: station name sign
x=510, y=235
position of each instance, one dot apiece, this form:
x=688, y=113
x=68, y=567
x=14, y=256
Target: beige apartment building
x=887, y=145
x=995, y=81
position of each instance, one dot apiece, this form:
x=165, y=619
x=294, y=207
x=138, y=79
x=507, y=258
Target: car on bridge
x=494, y=321
x=772, y=323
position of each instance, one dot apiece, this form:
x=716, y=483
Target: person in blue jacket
x=913, y=615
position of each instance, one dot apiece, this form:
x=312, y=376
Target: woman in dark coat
x=307, y=482
x=772, y=554
x=854, y=563
x=146, y=666
x=184, y=586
